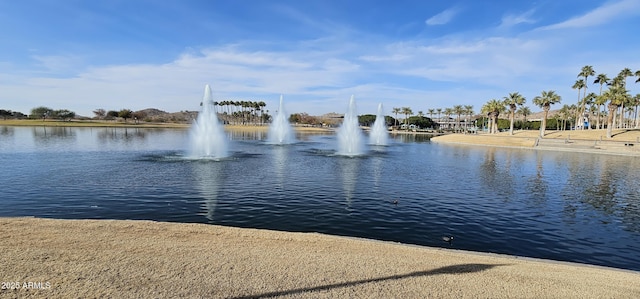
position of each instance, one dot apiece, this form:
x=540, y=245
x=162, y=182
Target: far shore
x=133, y=124
x=623, y=141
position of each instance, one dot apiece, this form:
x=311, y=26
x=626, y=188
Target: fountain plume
x=349, y=134
x=379, y=134
x=280, y=130
x=207, y=138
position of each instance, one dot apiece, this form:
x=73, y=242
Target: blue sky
x=137, y=54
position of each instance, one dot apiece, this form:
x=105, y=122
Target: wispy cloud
x=318, y=72
x=601, y=15
x=443, y=18
x=512, y=20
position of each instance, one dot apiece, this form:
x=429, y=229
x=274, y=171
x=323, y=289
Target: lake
x=554, y=205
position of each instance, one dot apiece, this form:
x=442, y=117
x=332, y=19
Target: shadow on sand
x=454, y=269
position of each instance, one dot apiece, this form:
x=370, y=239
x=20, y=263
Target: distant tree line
x=242, y=112
x=8, y=114
x=46, y=112
x=366, y=120
x=122, y=113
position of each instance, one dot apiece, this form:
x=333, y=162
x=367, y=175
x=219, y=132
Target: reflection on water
x=208, y=176
x=495, y=174
x=280, y=154
x=247, y=135
x=403, y=137
x=108, y=135
x=44, y=135
x=349, y=167
x=6, y=131
x=556, y=205
x=536, y=184
x=377, y=171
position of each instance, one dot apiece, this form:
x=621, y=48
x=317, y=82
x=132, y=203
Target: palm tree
x=636, y=103
x=615, y=82
x=457, y=110
x=447, y=113
x=626, y=72
x=262, y=104
x=601, y=79
x=589, y=99
x=514, y=100
x=545, y=101
x=585, y=72
x=431, y=112
x=407, y=112
x=562, y=115
x=579, y=85
x=616, y=94
x=439, y=110
x=524, y=111
x=493, y=108
x=600, y=102
x=468, y=111
x=396, y=111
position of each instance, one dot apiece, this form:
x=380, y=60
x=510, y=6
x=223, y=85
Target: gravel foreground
x=48, y=258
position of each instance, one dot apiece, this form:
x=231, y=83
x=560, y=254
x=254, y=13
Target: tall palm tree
x=493, y=108
x=262, y=105
x=585, y=72
x=514, y=100
x=564, y=115
x=468, y=111
x=636, y=103
x=626, y=72
x=545, y=101
x=407, y=112
x=439, y=110
x=637, y=74
x=524, y=111
x=616, y=94
x=579, y=85
x=458, y=110
x=447, y=113
x=395, y=111
x=431, y=112
x=600, y=102
x=601, y=79
x=589, y=100
x=618, y=82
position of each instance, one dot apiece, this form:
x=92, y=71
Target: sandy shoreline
x=624, y=142
x=145, y=259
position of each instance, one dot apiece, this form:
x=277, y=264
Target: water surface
x=556, y=205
